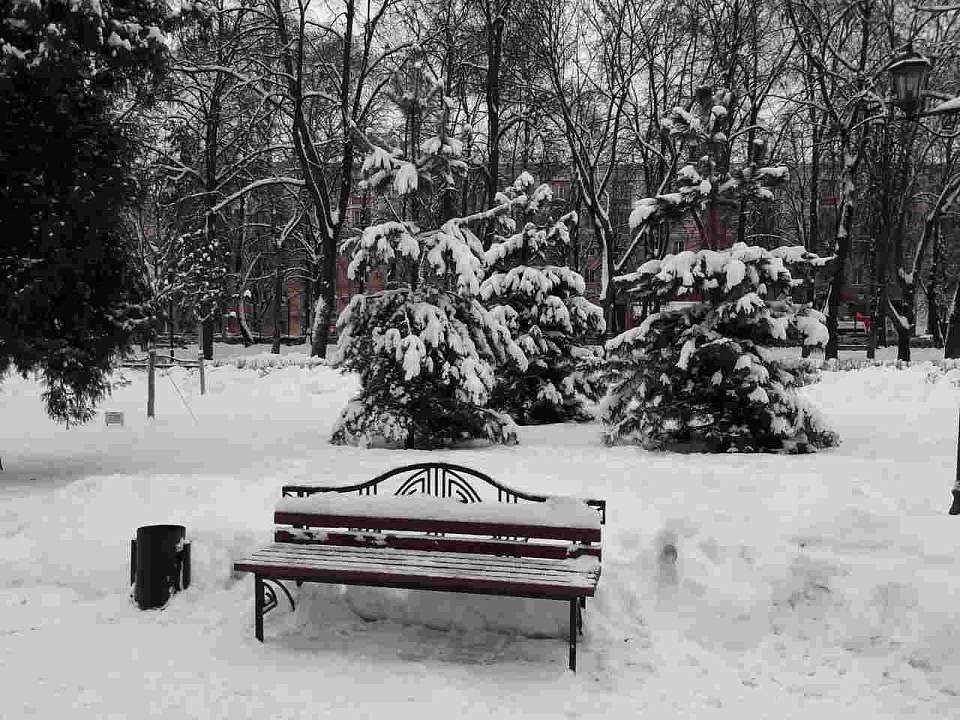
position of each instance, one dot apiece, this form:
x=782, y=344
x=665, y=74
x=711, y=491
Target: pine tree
x=696, y=374
x=426, y=349
x=67, y=307
x=548, y=316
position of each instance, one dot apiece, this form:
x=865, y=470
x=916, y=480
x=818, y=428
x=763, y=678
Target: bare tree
x=589, y=61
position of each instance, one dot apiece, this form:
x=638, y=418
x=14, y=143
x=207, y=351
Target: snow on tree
x=427, y=351
x=707, y=182
x=697, y=374
x=71, y=77
x=548, y=316
x=201, y=270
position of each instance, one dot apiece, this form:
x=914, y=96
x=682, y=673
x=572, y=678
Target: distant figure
x=861, y=318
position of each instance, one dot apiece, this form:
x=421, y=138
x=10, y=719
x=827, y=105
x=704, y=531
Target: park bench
x=433, y=526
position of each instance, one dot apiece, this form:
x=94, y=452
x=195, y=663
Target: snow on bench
x=453, y=542
x=562, y=518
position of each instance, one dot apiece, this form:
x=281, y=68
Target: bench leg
x=574, y=611
x=258, y=606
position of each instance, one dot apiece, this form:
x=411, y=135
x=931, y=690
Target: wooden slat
x=278, y=564
x=412, y=582
x=437, y=526
x=481, y=564
x=444, y=544
x=401, y=572
x=409, y=558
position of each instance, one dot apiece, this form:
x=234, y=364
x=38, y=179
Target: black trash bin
x=159, y=564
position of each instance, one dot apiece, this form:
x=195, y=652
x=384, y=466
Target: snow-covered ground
x=823, y=586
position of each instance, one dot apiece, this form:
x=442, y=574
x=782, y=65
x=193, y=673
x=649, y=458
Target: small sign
x=113, y=418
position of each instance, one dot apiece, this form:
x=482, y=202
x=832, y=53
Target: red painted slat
x=439, y=526
x=456, y=545
x=417, y=582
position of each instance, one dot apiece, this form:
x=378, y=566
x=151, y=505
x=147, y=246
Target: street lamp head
x=907, y=76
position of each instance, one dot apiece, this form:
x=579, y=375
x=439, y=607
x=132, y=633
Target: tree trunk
x=952, y=347
x=851, y=162
x=813, y=210
x=307, y=306
x=245, y=332
x=878, y=255
x=604, y=234
x=933, y=309
x=494, y=23
x=908, y=313
x=905, y=316
x=326, y=302
x=210, y=148
x=277, y=302
x=312, y=164
x=903, y=340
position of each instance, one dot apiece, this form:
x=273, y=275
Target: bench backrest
x=500, y=525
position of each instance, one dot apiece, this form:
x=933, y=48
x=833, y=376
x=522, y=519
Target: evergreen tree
x=696, y=374
x=66, y=304
x=544, y=307
x=426, y=349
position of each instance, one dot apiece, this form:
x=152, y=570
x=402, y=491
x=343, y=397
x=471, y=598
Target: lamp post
x=908, y=74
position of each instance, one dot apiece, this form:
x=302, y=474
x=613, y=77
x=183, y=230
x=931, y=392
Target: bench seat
x=558, y=579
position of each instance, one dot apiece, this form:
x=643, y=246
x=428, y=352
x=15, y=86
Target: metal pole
x=171, y=328
x=258, y=607
x=151, y=382
x=203, y=383
x=955, y=507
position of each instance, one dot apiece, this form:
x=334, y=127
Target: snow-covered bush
x=544, y=308
x=694, y=374
x=426, y=349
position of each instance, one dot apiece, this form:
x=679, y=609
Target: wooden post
x=203, y=381
x=151, y=381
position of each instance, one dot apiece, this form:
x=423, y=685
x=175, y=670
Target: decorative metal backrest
x=439, y=480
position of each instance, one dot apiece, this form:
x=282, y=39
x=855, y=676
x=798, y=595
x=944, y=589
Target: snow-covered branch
x=264, y=182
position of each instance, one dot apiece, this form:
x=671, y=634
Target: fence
x=153, y=361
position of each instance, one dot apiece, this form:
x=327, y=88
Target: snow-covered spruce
x=426, y=351
x=426, y=362
x=694, y=375
x=544, y=308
